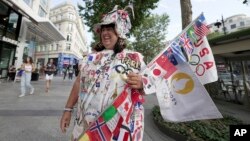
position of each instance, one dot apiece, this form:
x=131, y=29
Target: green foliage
x=233, y=35
x=214, y=35
x=150, y=35
x=93, y=10
x=202, y=130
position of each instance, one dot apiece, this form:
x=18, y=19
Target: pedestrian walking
x=76, y=68
x=104, y=88
x=50, y=69
x=65, y=71
x=26, y=72
x=71, y=71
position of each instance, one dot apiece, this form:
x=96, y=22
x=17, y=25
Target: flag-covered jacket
x=100, y=110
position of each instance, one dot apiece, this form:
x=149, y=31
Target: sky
x=212, y=9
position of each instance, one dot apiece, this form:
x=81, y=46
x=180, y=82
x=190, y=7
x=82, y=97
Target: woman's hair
x=31, y=60
x=119, y=46
x=49, y=61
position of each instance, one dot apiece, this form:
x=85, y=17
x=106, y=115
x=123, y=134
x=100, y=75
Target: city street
x=36, y=117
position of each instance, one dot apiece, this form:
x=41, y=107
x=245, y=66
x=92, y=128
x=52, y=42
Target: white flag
x=202, y=61
x=183, y=98
x=181, y=95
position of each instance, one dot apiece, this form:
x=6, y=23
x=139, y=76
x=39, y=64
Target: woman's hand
x=65, y=121
x=134, y=80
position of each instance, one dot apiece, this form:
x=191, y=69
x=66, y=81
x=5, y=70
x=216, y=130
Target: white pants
x=25, y=82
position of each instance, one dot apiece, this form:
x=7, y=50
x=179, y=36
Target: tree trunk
x=186, y=12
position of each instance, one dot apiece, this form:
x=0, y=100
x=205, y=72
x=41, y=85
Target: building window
x=59, y=27
x=59, y=17
x=242, y=23
x=41, y=12
x=70, y=27
x=12, y=25
x=51, y=47
x=233, y=26
x=28, y=2
x=68, y=46
x=69, y=37
x=42, y=48
x=44, y=3
x=231, y=20
x=57, y=46
x=71, y=16
x=46, y=48
x=38, y=49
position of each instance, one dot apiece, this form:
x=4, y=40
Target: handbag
x=20, y=73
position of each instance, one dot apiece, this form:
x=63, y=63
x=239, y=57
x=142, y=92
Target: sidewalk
x=36, y=117
x=238, y=111
x=33, y=117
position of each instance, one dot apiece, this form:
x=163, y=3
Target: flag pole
x=184, y=30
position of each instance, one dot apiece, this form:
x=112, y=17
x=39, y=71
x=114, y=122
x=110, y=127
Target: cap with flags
x=118, y=17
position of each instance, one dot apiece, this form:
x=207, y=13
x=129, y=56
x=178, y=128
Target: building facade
x=67, y=52
x=232, y=24
x=24, y=24
x=10, y=23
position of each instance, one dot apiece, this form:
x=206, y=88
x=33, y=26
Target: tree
x=93, y=10
x=186, y=12
x=150, y=36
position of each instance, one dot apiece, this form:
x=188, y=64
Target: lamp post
x=218, y=24
x=245, y=2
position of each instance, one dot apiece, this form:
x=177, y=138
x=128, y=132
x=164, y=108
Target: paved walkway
x=37, y=117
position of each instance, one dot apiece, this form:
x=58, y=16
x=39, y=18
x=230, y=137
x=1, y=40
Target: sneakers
x=21, y=95
x=32, y=91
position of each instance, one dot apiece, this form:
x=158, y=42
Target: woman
x=27, y=68
x=106, y=75
x=50, y=69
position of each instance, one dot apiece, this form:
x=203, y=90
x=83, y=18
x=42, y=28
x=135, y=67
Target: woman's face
x=28, y=59
x=108, y=37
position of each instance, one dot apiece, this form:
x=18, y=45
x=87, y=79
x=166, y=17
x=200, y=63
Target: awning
x=45, y=30
x=41, y=27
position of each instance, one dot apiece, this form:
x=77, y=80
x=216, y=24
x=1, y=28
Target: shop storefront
x=66, y=60
x=10, y=21
x=232, y=56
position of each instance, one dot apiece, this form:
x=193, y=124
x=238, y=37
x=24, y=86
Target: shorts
x=49, y=77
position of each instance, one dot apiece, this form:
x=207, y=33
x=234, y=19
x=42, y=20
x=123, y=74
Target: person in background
x=11, y=72
x=76, y=68
x=71, y=71
x=50, y=69
x=64, y=70
x=27, y=68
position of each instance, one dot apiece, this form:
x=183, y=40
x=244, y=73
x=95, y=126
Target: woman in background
x=49, y=71
x=27, y=68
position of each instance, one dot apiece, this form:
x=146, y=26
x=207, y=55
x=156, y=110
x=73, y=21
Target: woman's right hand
x=65, y=121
